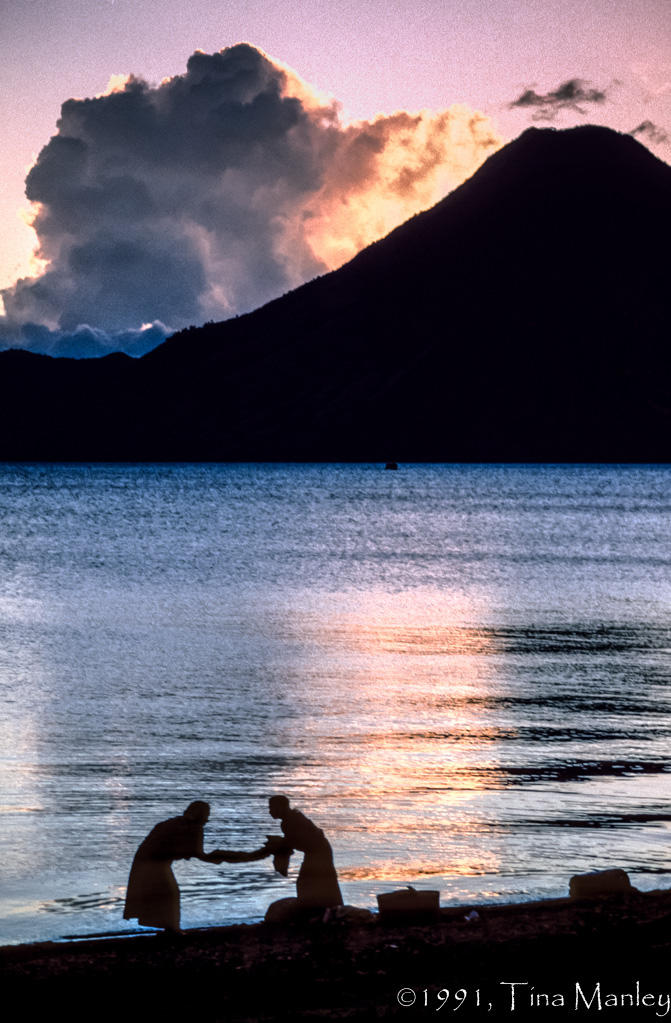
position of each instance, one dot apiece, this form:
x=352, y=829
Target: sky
x=193, y=178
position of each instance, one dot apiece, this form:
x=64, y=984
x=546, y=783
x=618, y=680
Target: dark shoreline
x=354, y=967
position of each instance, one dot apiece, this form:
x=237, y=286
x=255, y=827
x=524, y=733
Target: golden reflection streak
x=388, y=871
x=421, y=742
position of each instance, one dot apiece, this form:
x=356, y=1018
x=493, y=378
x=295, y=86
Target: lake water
x=460, y=672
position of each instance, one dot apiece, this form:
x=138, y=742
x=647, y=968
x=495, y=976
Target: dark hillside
x=525, y=317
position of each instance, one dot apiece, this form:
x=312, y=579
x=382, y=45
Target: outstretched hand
x=226, y=856
x=281, y=852
x=238, y=856
x=223, y=856
x=277, y=844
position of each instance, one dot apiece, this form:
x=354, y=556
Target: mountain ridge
x=521, y=318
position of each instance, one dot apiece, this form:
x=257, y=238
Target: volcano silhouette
x=523, y=318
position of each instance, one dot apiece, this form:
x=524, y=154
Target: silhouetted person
x=317, y=883
x=152, y=895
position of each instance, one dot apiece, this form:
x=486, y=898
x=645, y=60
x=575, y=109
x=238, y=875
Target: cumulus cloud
x=213, y=192
x=572, y=95
x=650, y=131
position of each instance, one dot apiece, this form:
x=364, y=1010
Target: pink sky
x=372, y=56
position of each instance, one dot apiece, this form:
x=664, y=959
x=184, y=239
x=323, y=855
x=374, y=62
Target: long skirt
x=317, y=881
x=152, y=896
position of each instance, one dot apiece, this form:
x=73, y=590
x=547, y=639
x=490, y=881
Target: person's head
x=198, y=812
x=278, y=806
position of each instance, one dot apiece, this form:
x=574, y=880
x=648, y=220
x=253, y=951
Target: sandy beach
x=555, y=959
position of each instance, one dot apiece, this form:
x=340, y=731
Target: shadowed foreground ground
x=354, y=968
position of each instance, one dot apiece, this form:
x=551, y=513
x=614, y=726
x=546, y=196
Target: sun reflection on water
x=418, y=746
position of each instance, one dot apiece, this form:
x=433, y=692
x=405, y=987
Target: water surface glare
x=460, y=672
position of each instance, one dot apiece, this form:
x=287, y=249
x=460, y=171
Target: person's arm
x=279, y=844
x=197, y=852
x=222, y=855
x=274, y=844
x=216, y=856
x=237, y=856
